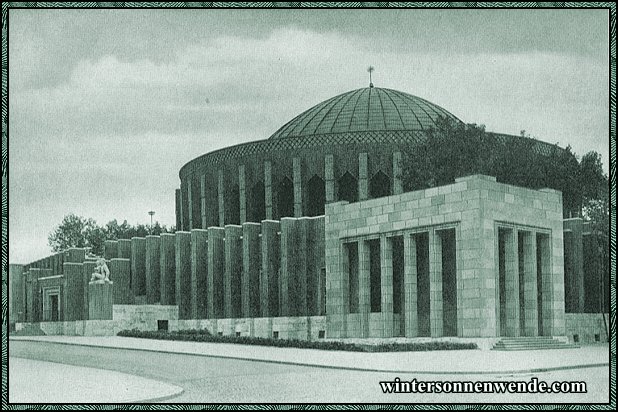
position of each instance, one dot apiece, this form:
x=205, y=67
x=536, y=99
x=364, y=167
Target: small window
x=276, y=335
x=163, y=325
x=597, y=337
x=321, y=334
x=576, y=338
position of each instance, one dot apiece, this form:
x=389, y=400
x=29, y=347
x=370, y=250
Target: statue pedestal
x=100, y=300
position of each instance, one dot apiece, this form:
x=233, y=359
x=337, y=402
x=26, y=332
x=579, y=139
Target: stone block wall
x=589, y=327
x=475, y=207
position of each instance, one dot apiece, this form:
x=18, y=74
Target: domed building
x=309, y=234
x=345, y=148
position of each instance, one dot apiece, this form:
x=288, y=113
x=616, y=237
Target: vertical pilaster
x=167, y=256
x=410, y=277
x=363, y=173
x=233, y=269
x=511, y=283
x=242, y=193
x=138, y=266
x=252, y=263
x=269, y=276
x=203, y=201
x=124, y=248
x=364, y=293
x=120, y=274
x=179, y=214
x=397, y=174
x=386, y=285
x=73, y=291
x=199, y=273
x=183, y=274
x=221, y=196
x=298, y=187
x=329, y=176
x=110, y=250
x=268, y=190
x=88, y=269
x=190, y=202
x=435, y=284
x=153, y=269
x=216, y=268
x=530, y=303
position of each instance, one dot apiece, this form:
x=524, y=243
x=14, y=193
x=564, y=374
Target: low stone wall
x=301, y=327
x=143, y=317
x=587, y=327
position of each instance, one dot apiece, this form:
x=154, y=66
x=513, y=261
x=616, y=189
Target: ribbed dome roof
x=366, y=109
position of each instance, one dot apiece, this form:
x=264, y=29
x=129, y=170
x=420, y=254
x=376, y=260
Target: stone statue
x=101, y=272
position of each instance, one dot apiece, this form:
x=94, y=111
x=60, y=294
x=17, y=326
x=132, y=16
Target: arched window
x=316, y=196
x=285, y=198
x=380, y=185
x=347, y=188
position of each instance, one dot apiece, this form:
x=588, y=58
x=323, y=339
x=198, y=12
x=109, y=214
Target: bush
x=194, y=335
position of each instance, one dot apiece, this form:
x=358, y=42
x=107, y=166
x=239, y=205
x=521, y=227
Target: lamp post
x=151, y=213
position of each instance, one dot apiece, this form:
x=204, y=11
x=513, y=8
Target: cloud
x=109, y=139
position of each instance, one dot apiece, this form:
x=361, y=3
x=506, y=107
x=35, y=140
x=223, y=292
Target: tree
x=74, y=231
x=77, y=231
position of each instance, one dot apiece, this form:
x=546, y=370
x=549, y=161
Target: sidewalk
x=434, y=362
x=59, y=383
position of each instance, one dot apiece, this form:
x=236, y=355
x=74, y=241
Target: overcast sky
x=107, y=105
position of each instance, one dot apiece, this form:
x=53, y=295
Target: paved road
x=213, y=380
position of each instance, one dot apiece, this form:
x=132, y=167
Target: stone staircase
x=532, y=343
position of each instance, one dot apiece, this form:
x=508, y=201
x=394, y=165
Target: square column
x=329, y=177
x=153, y=269
x=120, y=274
x=88, y=269
x=269, y=276
x=138, y=266
x=252, y=263
x=298, y=187
x=386, y=283
x=530, y=291
x=268, y=190
x=216, y=267
x=511, y=283
x=183, y=274
x=364, y=293
x=221, y=198
x=110, y=249
x=436, y=310
x=167, y=255
x=124, y=248
x=363, y=173
x=73, y=291
x=410, y=282
x=199, y=273
x=233, y=270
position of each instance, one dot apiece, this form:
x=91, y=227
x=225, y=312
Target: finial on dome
x=370, y=69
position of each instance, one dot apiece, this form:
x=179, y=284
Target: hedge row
x=193, y=335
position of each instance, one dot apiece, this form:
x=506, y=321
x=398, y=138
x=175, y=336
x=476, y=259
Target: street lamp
x=151, y=213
